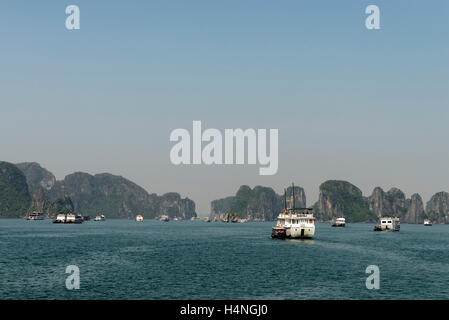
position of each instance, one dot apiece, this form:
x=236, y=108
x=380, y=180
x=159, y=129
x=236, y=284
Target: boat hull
x=380, y=228
x=306, y=232
x=72, y=222
x=339, y=225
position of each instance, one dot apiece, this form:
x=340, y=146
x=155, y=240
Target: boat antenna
x=293, y=193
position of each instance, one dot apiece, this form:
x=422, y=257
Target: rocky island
x=336, y=198
x=258, y=204
x=28, y=187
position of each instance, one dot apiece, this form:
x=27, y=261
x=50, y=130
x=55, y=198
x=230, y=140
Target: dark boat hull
x=279, y=233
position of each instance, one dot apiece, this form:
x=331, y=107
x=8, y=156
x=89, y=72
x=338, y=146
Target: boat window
x=389, y=221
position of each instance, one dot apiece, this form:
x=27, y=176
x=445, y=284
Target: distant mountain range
x=26, y=187
x=337, y=198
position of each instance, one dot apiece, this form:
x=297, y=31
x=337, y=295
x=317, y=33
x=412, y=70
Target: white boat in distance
x=100, y=217
x=139, y=218
x=339, y=222
x=294, y=222
x=427, y=222
x=388, y=224
x=35, y=216
x=68, y=218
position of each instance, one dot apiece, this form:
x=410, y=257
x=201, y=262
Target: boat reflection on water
x=299, y=240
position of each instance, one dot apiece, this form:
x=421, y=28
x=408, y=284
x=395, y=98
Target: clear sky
x=367, y=106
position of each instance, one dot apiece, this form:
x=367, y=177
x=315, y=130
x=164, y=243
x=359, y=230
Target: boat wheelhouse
x=388, y=224
x=294, y=222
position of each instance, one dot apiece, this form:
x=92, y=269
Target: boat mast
x=285, y=199
x=293, y=194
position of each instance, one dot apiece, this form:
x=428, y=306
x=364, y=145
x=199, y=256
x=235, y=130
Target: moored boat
x=427, y=222
x=164, y=218
x=139, y=218
x=294, y=222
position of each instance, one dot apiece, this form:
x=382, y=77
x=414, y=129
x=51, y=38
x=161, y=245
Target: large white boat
x=427, y=222
x=139, y=218
x=388, y=224
x=100, y=217
x=339, y=222
x=294, y=222
x=35, y=216
x=68, y=218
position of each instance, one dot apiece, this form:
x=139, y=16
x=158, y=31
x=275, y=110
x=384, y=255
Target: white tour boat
x=388, y=224
x=339, y=222
x=427, y=222
x=294, y=222
x=68, y=218
x=139, y=218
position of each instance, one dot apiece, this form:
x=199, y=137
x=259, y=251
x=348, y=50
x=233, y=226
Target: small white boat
x=207, y=219
x=427, y=222
x=35, y=216
x=139, y=218
x=165, y=218
x=100, y=217
x=339, y=222
x=388, y=224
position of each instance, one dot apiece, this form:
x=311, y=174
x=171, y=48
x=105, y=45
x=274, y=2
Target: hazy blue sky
x=367, y=106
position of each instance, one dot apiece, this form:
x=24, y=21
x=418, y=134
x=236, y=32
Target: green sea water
x=123, y=259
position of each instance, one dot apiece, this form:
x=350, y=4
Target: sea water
x=124, y=259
